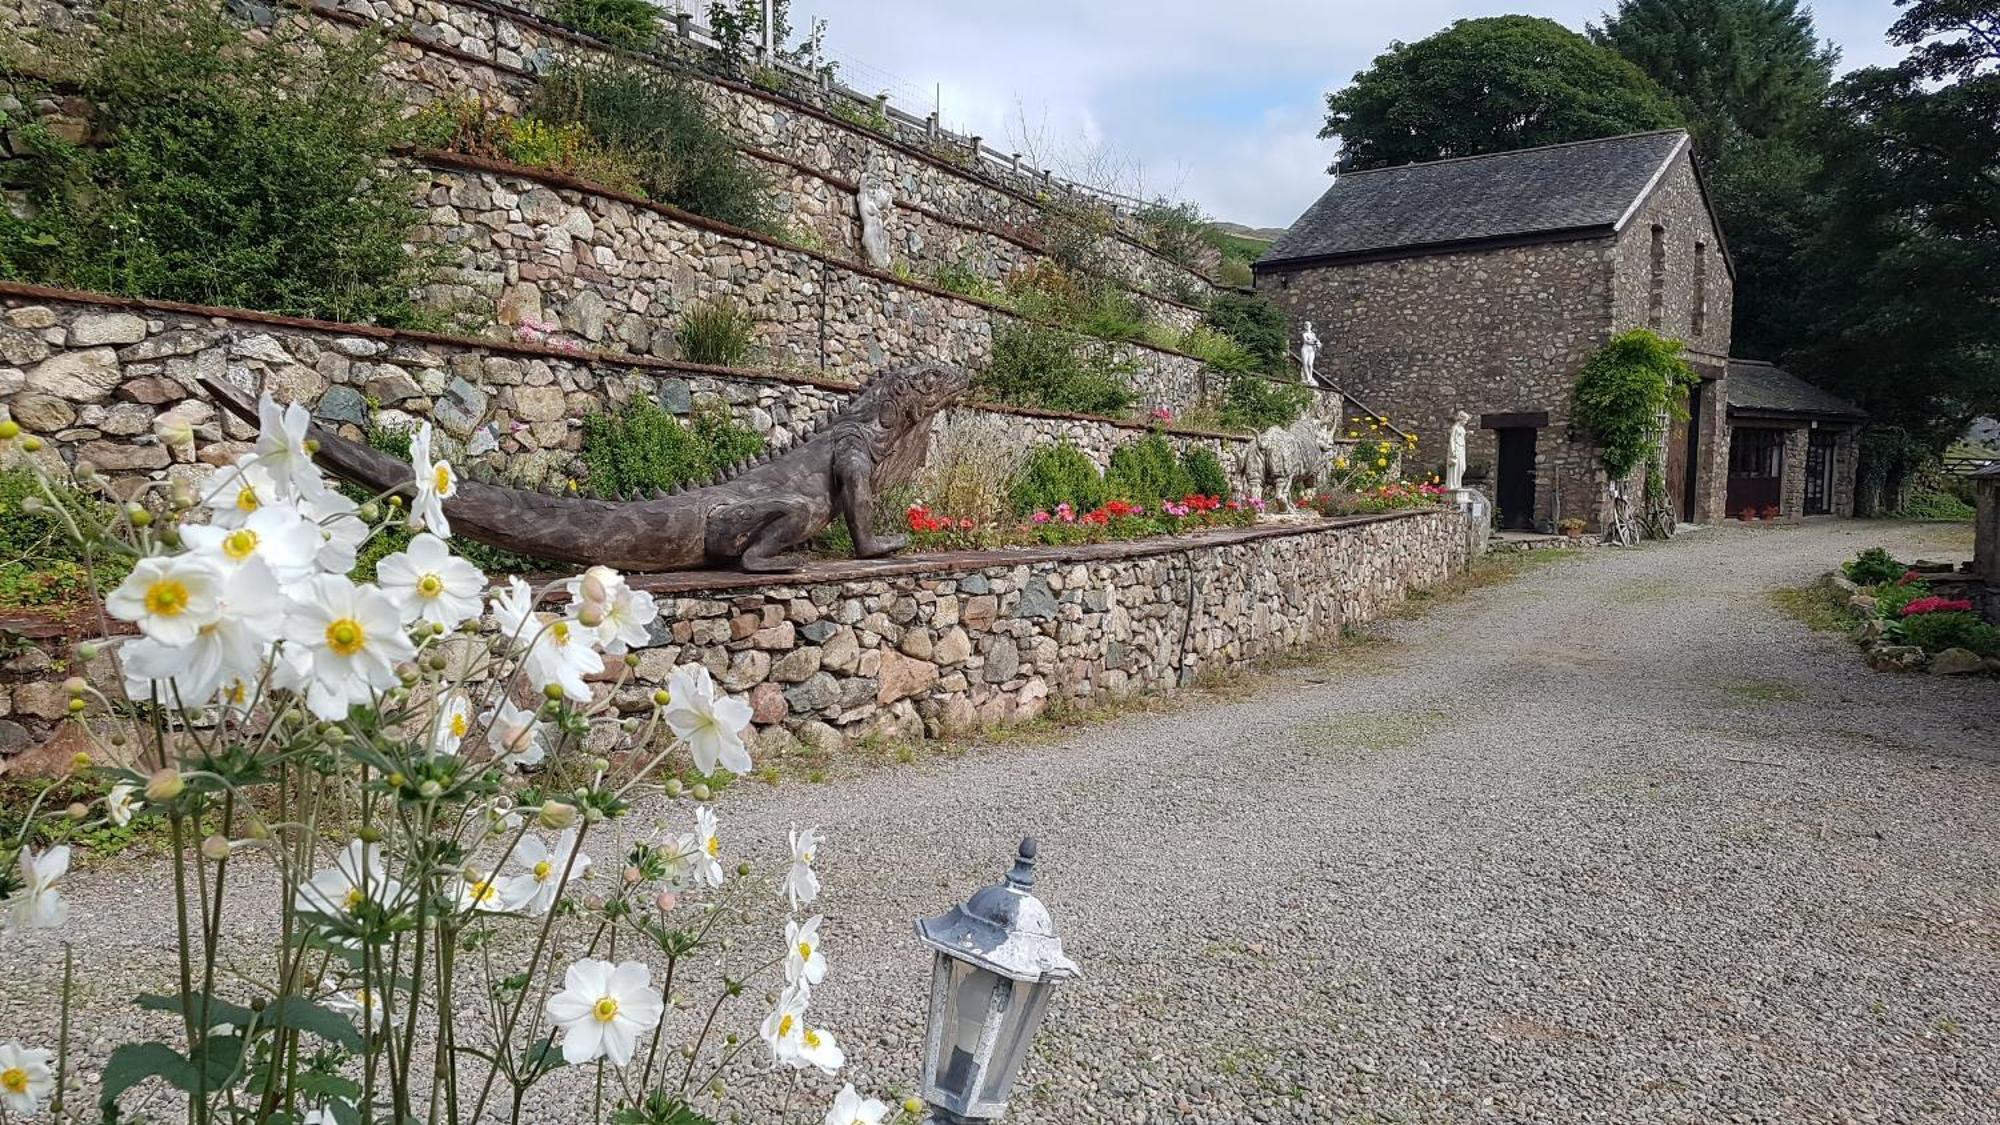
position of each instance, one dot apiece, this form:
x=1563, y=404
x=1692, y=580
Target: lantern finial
x=1023, y=874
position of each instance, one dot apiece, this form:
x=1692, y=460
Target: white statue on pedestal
x=1308, y=355
x=1454, y=462
x=874, y=201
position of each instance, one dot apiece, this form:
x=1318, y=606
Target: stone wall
x=1499, y=331
x=619, y=273
x=934, y=646
x=95, y=374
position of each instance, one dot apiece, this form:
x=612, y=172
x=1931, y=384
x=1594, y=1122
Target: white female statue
x=1308, y=355
x=1454, y=462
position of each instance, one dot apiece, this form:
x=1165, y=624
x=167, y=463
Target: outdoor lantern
x=997, y=961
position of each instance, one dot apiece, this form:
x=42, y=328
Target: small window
x=1656, y=294
x=1700, y=313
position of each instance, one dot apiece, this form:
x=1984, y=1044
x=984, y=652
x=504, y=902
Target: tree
x=1490, y=85
x=1750, y=78
x=1902, y=312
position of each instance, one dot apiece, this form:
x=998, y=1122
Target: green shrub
x=1255, y=403
x=1147, y=471
x=207, y=188
x=716, y=332
x=1178, y=231
x=1055, y=369
x=40, y=566
x=958, y=277
x=1205, y=473
x=631, y=24
x=1936, y=505
x=643, y=447
x=1891, y=597
x=1622, y=390
x=658, y=123
x=1873, y=567
x=1257, y=325
x=1217, y=350
x=1935, y=632
x=1057, y=474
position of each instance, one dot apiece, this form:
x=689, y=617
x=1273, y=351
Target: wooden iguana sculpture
x=753, y=514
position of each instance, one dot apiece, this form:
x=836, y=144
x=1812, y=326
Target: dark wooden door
x=1819, y=475
x=1689, y=489
x=1514, y=477
x=1756, y=469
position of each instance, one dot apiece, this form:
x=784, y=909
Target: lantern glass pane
x=970, y=1000
x=1017, y=1033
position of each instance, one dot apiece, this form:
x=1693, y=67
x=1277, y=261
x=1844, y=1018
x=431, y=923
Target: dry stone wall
x=96, y=375
x=929, y=647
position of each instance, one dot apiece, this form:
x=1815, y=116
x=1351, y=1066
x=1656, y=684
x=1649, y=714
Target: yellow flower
x=1381, y=462
x=1340, y=462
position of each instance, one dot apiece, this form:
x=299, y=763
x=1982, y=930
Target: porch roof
x=1766, y=390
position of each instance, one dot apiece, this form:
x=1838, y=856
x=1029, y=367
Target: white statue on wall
x=875, y=200
x=1309, y=355
x=1454, y=462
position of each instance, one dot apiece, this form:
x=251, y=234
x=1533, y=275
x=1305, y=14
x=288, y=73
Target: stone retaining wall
x=936, y=645
x=620, y=272
x=94, y=374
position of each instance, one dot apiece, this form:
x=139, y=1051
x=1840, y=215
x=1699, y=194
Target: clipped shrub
x=661, y=126
x=1147, y=471
x=1205, y=473
x=643, y=447
x=207, y=188
x=716, y=332
x=1252, y=402
x=1055, y=369
x=1057, y=474
x=631, y=24
x=1935, y=632
x=1873, y=567
x=1256, y=324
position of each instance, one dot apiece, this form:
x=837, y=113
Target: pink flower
x=1041, y=517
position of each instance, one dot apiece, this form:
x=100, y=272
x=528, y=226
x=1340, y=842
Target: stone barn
x=1792, y=446
x=1484, y=283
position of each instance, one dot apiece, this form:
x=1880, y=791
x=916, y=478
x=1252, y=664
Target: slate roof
x=1578, y=190
x=1760, y=388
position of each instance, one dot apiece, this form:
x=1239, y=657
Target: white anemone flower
x=536, y=889
x=341, y=530
x=277, y=535
x=514, y=611
x=712, y=727
x=355, y=638
x=707, y=851
x=562, y=655
x=25, y=1078
x=850, y=1108
x=169, y=598
x=228, y=652
x=436, y=483
x=354, y=1005
x=38, y=905
x=281, y=448
x=119, y=804
x=794, y=1042
x=356, y=879
x=603, y=1009
x=624, y=612
x=803, y=960
x=448, y=726
x=486, y=894
x=239, y=492
x=515, y=735
x=801, y=883
x=428, y=583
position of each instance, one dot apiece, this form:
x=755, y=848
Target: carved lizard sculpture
x=753, y=514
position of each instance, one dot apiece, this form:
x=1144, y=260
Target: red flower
x=1936, y=604
x=1908, y=577
x=965, y=525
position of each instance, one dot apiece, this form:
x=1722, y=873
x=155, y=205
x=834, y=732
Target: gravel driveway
x=1615, y=842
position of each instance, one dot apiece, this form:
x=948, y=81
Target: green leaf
x=133, y=1063
x=219, y=1011
x=541, y=1058
x=300, y=1014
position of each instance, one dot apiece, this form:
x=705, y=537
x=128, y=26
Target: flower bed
x=1906, y=624
x=1064, y=525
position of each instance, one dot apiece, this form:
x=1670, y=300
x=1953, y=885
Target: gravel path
x=1616, y=842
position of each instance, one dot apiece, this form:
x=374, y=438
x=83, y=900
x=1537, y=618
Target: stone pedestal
x=1478, y=513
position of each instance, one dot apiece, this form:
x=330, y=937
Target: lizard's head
x=911, y=394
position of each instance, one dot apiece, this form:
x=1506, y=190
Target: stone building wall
x=1496, y=331
x=94, y=375
x=934, y=646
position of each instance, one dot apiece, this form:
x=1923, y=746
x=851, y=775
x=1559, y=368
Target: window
x=1700, y=314
x=1656, y=295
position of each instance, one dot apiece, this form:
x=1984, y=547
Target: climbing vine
x=1623, y=390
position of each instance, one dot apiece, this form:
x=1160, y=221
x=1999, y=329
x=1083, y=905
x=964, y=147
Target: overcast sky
x=1215, y=102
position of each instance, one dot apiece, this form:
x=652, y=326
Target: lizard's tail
x=629, y=535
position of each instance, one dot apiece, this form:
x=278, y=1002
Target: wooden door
x=1686, y=447
x=1514, y=477
x=1819, y=474
x=1756, y=469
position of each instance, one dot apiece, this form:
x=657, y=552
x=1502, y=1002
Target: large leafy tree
x=1489, y=85
x=1902, y=312
x=1750, y=77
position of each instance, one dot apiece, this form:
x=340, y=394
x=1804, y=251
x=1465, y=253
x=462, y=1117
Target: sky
x=1220, y=103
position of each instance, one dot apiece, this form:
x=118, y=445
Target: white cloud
x=1220, y=103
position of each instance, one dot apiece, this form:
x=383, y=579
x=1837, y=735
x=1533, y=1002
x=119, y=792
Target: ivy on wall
x=1621, y=393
